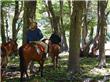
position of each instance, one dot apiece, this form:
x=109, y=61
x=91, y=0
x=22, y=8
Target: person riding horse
x=34, y=36
x=55, y=38
x=54, y=48
x=33, y=50
x=34, y=33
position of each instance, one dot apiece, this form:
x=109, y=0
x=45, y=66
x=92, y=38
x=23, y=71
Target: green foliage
x=40, y=9
x=92, y=22
x=7, y=3
x=7, y=0
x=108, y=6
x=66, y=22
x=66, y=9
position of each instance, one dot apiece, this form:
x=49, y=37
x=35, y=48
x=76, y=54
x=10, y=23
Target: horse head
x=14, y=45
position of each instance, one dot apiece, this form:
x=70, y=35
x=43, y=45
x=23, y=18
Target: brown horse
x=28, y=53
x=6, y=50
x=54, y=50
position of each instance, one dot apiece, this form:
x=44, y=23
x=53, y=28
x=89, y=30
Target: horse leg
x=26, y=73
x=41, y=70
x=56, y=61
x=23, y=70
x=2, y=75
x=53, y=61
x=31, y=67
x=22, y=73
x=23, y=65
x=41, y=67
x=4, y=62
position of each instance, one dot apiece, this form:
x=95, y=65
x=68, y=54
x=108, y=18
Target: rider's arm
x=40, y=35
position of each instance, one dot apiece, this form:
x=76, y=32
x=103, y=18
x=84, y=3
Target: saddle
x=39, y=46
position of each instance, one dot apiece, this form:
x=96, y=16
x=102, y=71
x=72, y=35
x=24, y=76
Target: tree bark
x=85, y=45
x=29, y=12
x=14, y=34
x=7, y=26
x=49, y=14
x=75, y=31
x=64, y=46
x=84, y=28
x=55, y=18
x=96, y=39
x=103, y=26
x=2, y=25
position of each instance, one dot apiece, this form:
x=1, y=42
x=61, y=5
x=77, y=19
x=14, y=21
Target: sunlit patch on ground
x=98, y=71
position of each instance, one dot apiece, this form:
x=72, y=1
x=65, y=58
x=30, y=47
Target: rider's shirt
x=34, y=35
x=55, y=38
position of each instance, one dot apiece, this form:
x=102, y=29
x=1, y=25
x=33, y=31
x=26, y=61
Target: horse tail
x=22, y=60
x=23, y=68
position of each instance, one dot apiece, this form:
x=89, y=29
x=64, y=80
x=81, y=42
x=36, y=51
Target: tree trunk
x=64, y=42
x=55, y=19
x=84, y=28
x=103, y=26
x=7, y=35
x=96, y=39
x=29, y=12
x=75, y=31
x=85, y=45
x=64, y=46
x=49, y=14
x=2, y=25
x=15, y=20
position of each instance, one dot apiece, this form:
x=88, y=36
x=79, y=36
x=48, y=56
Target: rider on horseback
x=34, y=35
x=55, y=38
x=54, y=48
